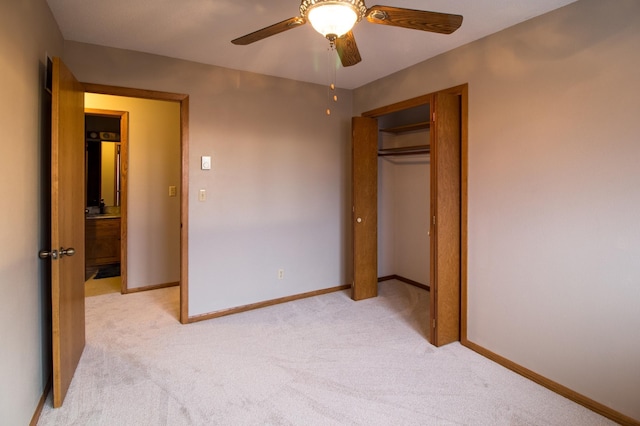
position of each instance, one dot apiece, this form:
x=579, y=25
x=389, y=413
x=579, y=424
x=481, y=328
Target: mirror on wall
x=110, y=173
x=102, y=160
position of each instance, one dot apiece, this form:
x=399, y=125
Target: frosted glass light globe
x=333, y=18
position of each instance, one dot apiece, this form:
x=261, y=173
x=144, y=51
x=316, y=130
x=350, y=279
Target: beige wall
x=553, y=279
x=154, y=164
x=277, y=193
x=553, y=229
x=27, y=31
x=411, y=222
x=403, y=209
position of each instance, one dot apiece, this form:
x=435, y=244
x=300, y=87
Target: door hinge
x=433, y=115
x=434, y=323
x=434, y=219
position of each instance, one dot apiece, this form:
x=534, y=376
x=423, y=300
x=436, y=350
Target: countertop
x=102, y=216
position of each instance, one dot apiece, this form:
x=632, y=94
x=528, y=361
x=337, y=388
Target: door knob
x=45, y=254
x=359, y=220
x=68, y=252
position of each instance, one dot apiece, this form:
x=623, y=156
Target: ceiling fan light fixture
x=333, y=18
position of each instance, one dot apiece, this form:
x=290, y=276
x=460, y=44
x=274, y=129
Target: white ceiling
x=202, y=30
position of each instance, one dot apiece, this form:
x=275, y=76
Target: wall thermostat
x=206, y=162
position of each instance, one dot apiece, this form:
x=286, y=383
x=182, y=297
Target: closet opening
x=409, y=165
x=404, y=195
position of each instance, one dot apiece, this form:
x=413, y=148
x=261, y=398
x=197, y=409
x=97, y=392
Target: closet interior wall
x=404, y=195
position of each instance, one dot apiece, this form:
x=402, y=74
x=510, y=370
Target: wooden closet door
x=365, y=207
x=445, y=219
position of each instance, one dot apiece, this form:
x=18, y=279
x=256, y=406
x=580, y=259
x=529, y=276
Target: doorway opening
x=106, y=160
x=163, y=196
x=404, y=167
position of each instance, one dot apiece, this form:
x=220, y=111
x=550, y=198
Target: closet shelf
x=407, y=150
x=407, y=128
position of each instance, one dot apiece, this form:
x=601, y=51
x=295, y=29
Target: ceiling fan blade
x=269, y=31
x=348, y=50
x=443, y=23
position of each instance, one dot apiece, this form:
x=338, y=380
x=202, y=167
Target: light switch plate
x=206, y=162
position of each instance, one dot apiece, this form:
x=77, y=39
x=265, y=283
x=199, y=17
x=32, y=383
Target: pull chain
x=331, y=71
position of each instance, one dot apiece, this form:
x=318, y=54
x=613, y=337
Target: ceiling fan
x=334, y=19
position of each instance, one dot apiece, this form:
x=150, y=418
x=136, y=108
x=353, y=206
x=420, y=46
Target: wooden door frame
x=123, y=116
x=183, y=100
x=462, y=91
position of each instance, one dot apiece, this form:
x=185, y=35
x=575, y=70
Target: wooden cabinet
x=102, y=241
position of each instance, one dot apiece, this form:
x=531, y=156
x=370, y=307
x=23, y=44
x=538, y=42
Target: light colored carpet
x=325, y=360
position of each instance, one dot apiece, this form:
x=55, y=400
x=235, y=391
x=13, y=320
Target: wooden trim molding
x=463, y=90
x=124, y=201
x=106, y=113
x=184, y=211
x=124, y=197
x=133, y=93
x=266, y=303
x=404, y=280
x=553, y=386
x=151, y=287
x=41, y=401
